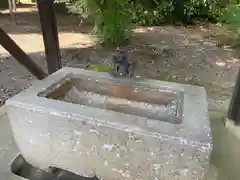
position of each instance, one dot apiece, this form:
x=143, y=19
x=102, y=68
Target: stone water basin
x=91, y=123
x=154, y=103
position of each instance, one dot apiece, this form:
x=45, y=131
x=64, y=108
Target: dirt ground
x=192, y=56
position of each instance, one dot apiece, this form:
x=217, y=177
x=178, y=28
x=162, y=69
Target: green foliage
x=231, y=19
x=231, y=16
x=155, y=12
x=3, y=4
x=114, y=17
x=203, y=10
x=111, y=18
x=152, y=12
x=102, y=68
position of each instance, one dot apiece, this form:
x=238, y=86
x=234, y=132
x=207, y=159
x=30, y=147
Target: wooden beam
x=50, y=34
x=20, y=55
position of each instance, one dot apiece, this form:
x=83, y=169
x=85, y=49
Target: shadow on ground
x=27, y=21
x=194, y=60
x=226, y=147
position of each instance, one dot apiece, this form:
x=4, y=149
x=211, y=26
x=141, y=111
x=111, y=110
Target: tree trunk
x=10, y=5
x=179, y=10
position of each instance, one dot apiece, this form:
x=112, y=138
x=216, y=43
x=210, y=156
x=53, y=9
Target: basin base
x=22, y=168
x=230, y=125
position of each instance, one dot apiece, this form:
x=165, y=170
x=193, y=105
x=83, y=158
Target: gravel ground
x=178, y=54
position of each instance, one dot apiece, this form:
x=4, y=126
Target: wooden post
x=179, y=11
x=234, y=107
x=10, y=6
x=50, y=34
x=14, y=5
x=20, y=56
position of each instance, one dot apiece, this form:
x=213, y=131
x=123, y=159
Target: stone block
x=91, y=123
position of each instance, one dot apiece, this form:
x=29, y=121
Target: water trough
x=93, y=124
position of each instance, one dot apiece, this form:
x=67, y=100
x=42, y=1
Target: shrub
x=231, y=16
x=152, y=12
x=202, y=10
x=112, y=19
x=155, y=12
x=231, y=19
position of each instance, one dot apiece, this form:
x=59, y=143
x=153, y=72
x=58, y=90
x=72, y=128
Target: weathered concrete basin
x=90, y=123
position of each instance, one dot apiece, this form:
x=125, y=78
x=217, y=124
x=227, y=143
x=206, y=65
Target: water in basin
x=154, y=103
